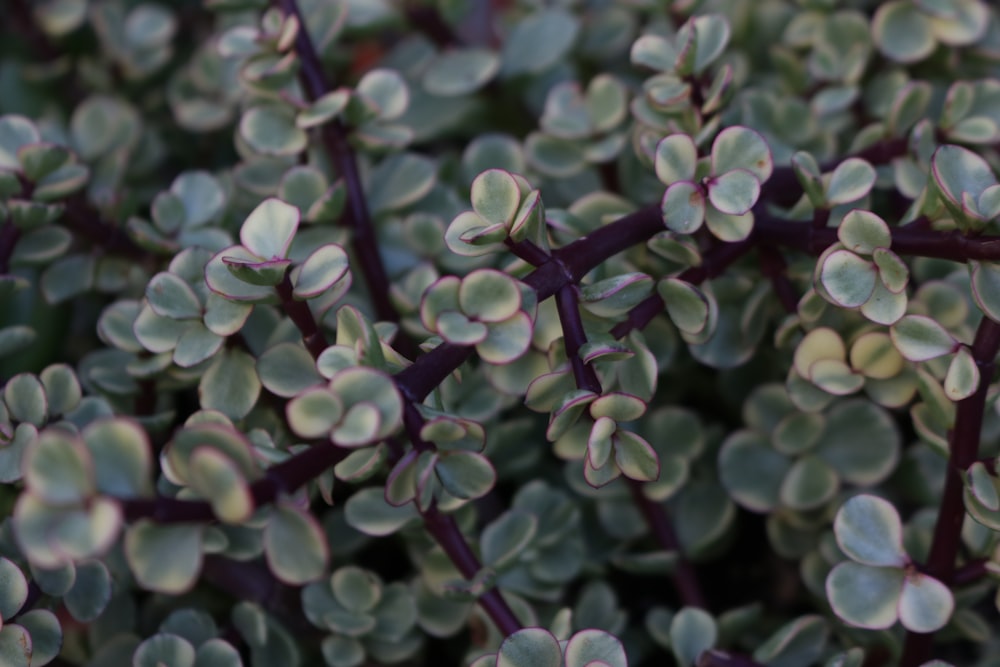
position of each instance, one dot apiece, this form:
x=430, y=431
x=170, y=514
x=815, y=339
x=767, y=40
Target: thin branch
x=963, y=445
x=302, y=316
x=575, y=337
x=356, y=215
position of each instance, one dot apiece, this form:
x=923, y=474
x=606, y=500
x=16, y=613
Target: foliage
x=499, y=333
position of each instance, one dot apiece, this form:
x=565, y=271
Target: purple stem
x=575, y=337
x=334, y=136
x=302, y=316
x=963, y=445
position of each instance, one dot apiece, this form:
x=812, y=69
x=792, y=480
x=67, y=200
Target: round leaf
x=925, y=604
x=460, y=72
x=13, y=588
x=530, y=647
x=863, y=596
x=920, y=338
x=902, y=32
x=164, y=558
x=847, y=278
x=590, y=646
x=692, y=631
x=269, y=229
x=465, y=475
x=676, y=159
x=868, y=530
x=863, y=231
x=740, y=147
x=164, y=649
x=539, y=41
x=323, y=269
x=683, y=207
x=295, y=545
x=272, y=131
x=230, y=385
x=851, y=180
x=734, y=192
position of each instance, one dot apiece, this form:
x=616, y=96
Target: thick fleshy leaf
x=864, y=596
x=848, y=278
x=223, y=281
x=868, y=530
x=530, y=647
x=400, y=180
x=164, y=649
x=460, y=71
x=851, y=180
x=712, y=37
x=506, y=341
x=122, y=456
x=287, y=369
x=676, y=159
x=368, y=512
x=885, y=307
x=496, y=196
x=58, y=468
x=323, y=109
x=874, y=355
x=920, y=338
x=314, y=412
x=387, y=90
x=687, y=306
x=295, y=545
x=230, y=385
x=13, y=588
x=740, y=147
x=269, y=229
x=15, y=132
x=201, y=194
x=25, y=397
x=465, y=475
x=902, y=32
x=809, y=484
x=214, y=476
x=734, y=192
x=892, y=271
x=962, y=379
x=169, y=296
x=683, y=207
x=957, y=171
x=62, y=389
x=324, y=268
x=925, y=604
x=986, y=287
x=692, y=631
x=635, y=457
x=164, y=558
x=91, y=591
x=539, y=41
x=15, y=646
x=504, y=539
x=489, y=295
x=727, y=226
x=863, y=231
x=820, y=343
x=588, y=647
x=752, y=471
x=272, y=131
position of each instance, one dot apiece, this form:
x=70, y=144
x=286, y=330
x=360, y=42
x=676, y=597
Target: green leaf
x=201, y=194
x=62, y=389
x=164, y=558
x=635, y=457
x=489, y=295
x=287, y=369
x=683, y=207
x=962, y=379
x=594, y=646
x=13, y=589
x=15, y=646
x=692, y=631
x=902, y=32
x=122, y=456
x=925, y=604
x=712, y=37
x=169, y=296
x=25, y=397
x=507, y=340
x=799, y=642
x=496, y=196
x=728, y=227
x=920, y=338
x=740, y=147
x=386, y=90
x=868, y=530
x=91, y=591
x=959, y=172
x=539, y=41
x=314, y=412
x=295, y=545
x=269, y=229
x=505, y=539
x=530, y=647
x=58, y=468
x=164, y=649
x=809, y=484
x=676, y=159
x=751, y=470
x=46, y=635
x=272, y=131
x=322, y=270
x=217, y=653
x=884, y=307
x=400, y=180
x=41, y=159
x=851, y=180
x=214, y=476
x=15, y=132
x=466, y=475
x=460, y=71
x=734, y=192
x=848, y=279
x=226, y=271
x=323, y=109
x=986, y=287
x=230, y=385
x=368, y=512
x=866, y=597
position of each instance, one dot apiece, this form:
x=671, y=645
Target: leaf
x=460, y=71
x=122, y=456
x=713, y=35
x=751, y=471
x=740, y=147
x=902, y=32
x=400, y=180
x=58, y=468
x=214, y=476
x=488, y=295
x=466, y=475
x=201, y=194
x=164, y=649
x=963, y=378
x=868, y=530
x=863, y=596
x=683, y=207
x=506, y=538
x=676, y=159
x=322, y=270
x=13, y=589
x=387, y=90
x=496, y=196
x=538, y=42
x=925, y=604
x=272, y=131
x=91, y=591
x=287, y=369
x=958, y=171
x=46, y=635
x=368, y=512
x=847, y=278
x=25, y=397
x=920, y=338
x=530, y=647
x=15, y=132
x=734, y=192
x=169, y=296
x=230, y=385
x=687, y=306
x=692, y=631
x=594, y=646
x=295, y=545
x=269, y=229
x=851, y=180
x=635, y=457
x=164, y=558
